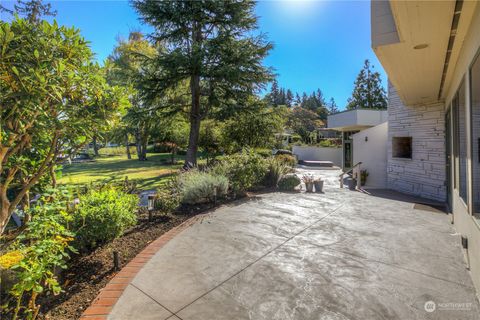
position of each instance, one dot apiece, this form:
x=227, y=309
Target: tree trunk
x=195, y=116
x=138, y=145
x=53, y=176
x=95, y=146
x=129, y=155
x=144, y=148
x=191, y=158
x=4, y=210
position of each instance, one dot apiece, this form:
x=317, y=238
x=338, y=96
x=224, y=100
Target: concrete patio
x=336, y=255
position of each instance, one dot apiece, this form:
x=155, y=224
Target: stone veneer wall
x=424, y=174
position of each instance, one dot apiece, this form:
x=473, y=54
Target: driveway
x=336, y=255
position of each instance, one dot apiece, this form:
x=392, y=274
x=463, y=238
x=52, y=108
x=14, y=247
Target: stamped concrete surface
x=335, y=255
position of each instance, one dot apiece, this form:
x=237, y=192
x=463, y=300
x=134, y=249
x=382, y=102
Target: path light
x=150, y=206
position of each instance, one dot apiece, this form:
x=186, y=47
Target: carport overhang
x=418, y=44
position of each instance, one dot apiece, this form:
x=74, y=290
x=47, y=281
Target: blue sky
x=318, y=44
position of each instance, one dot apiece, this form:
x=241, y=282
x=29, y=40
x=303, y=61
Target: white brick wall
x=424, y=174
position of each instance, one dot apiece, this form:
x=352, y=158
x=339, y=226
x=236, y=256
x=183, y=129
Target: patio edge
x=108, y=296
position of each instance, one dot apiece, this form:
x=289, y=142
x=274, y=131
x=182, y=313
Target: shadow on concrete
x=418, y=202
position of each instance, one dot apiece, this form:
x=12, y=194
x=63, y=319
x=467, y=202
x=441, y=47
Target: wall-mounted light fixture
x=420, y=46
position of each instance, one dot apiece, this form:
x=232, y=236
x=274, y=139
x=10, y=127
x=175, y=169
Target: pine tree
x=289, y=98
x=298, y=100
x=320, y=99
x=32, y=10
x=333, y=108
x=304, y=100
x=274, y=93
x=282, y=100
x=368, y=92
x=212, y=46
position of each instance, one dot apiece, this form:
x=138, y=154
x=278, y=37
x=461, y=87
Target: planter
x=318, y=186
x=309, y=186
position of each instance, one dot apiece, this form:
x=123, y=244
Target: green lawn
x=149, y=174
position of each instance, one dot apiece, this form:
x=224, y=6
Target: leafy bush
x=276, y=169
x=199, y=187
x=265, y=153
x=167, y=199
x=182, y=152
x=102, y=215
x=287, y=159
x=163, y=147
x=244, y=170
x=289, y=182
x=330, y=143
x=41, y=249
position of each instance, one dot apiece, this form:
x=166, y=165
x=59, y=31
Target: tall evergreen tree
x=32, y=10
x=368, y=92
x=274, y=93
x=298, y=100
x=320, y=99
x=289, y=98
x=332, y=108
x=210, y=44
x=282, y=100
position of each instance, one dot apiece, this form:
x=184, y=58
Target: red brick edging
x=108, y=296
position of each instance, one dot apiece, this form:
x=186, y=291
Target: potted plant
x=318, y=185
x=308, y=180
x=363, y=177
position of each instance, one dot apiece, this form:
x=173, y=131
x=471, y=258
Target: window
x=460, y=142
x=475, y=112
x=402, y=147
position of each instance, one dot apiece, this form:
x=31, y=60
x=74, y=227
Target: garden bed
x=87, y=274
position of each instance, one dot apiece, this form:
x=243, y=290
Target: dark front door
x=347, y=155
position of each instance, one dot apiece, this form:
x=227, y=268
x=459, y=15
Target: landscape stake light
x=151, y=202
x=150, y=206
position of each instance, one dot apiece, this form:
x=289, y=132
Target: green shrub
x=330, y=143
x=275, y=170
x=199, y=187
x=287, y=159
x=182, y=152
x=167, y=199
x=39, y=252
x=289, y=182
x=265, y=153
x=162, y=147
x=102, y=215
x=244, y=170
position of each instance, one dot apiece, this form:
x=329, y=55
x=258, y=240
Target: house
x=430, y=51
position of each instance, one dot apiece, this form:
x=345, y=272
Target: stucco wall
x=373, y=154
x=319, y=154
x=424, y=174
